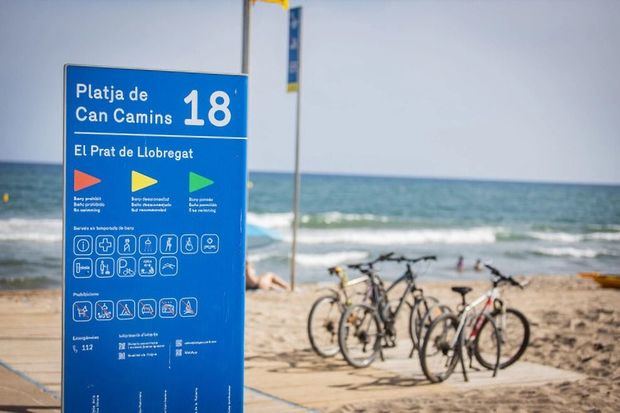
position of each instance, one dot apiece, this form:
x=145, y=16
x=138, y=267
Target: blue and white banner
x=294, y=49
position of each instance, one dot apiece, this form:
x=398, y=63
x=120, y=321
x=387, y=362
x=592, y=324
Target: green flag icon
x=197, y=182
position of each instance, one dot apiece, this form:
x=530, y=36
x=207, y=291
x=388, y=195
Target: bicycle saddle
x=461, y=290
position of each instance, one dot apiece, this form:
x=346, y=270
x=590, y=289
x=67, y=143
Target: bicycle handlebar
x=369, y=264
x=507, y=278
x=493, y=270
x=384, y=257
x=390, y=257
x=414, y=260
x=361, y=266
x=334, y=270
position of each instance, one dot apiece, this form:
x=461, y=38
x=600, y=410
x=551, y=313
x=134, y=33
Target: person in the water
x=460, y=264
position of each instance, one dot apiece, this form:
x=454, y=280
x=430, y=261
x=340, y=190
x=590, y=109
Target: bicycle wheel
x=487, y=343
x=418, y=311
x=441, y=348
x=323, y=325
x=359, y=335
x=434, y=312
x=514, y=334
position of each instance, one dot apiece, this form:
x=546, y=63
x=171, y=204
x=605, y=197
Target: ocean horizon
x=522, y=227
x=379, y=176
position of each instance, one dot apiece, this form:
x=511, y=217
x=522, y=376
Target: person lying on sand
x=267, y=281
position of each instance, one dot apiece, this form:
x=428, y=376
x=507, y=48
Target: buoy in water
x=5, y=197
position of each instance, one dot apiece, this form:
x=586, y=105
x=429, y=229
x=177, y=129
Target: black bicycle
x=367, y=328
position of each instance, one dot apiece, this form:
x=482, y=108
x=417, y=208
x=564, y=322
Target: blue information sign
x=294, y=48
x=154, y=241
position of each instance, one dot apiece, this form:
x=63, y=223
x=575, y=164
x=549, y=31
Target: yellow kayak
x=604, y=280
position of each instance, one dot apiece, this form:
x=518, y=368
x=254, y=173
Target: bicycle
x=445, y=339
x=446, y=336
x=365, y=329
x=512, y=325
x=325, y=314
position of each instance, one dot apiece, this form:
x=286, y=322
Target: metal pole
x=245, y=45
x=296, y=193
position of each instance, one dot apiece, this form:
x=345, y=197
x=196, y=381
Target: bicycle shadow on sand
x=305, y=361
x=297, y=361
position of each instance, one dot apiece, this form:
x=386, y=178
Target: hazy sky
x=490, y=89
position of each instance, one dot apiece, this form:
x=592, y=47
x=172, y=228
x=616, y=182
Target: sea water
x=522, y=228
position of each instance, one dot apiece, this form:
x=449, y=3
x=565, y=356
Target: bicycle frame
x=344, y=283
x=488, y=298
x=377, y=285
x=411, y=288
x=350, y=283
x=376, y=289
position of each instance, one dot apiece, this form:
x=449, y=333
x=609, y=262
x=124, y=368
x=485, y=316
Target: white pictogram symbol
x=82, y=268
x=209, y=243
x=168, y=266
x=148, y=244
x=125, y=309
x=104, y=267
x=168, y=244
x=168, y=307
x=189, y=243
x=147, y=266
x=104, y=310
x=82, y=245
x=188, y=307
x=82, y=311
x=126, y=244
x=147, y=308
x=126, y=267
x=104, y=244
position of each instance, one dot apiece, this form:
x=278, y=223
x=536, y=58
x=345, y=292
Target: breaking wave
x=571, y=252
x=312, y=260
x=568, y=237
x=330, y=259
x=33, y=230
x=279, y=220
x=480, y=235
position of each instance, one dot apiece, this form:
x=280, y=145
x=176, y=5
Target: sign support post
x=294, y=85
x=245, y=45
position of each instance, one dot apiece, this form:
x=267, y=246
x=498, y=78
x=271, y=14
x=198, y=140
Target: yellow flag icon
x=140, y=181
x=283, y=3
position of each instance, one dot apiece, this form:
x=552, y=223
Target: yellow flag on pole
x=283, y=3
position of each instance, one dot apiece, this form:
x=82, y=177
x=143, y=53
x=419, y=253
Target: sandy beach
x=575, y=326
